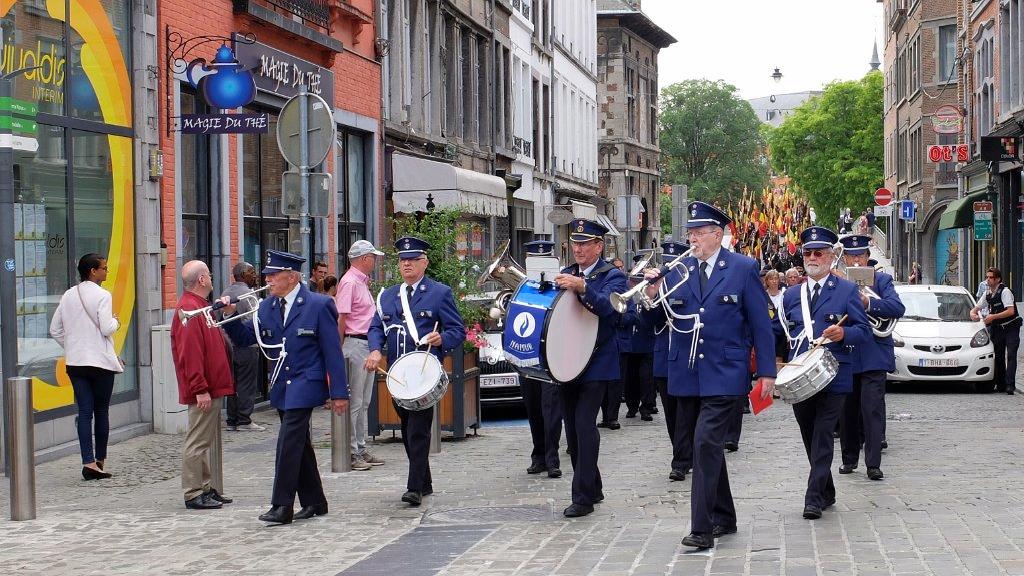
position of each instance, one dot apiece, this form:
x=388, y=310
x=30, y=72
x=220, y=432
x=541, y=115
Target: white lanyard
x=409, y=320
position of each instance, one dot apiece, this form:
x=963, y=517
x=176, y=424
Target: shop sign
x=948, y=153
x=947, y=120
x=982, y=221
x=999, y=148
x=281, y=73
x=225, y=123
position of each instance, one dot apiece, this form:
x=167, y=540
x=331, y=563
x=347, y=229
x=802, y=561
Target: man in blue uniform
x=823, y=300
x=726, y=304
x=406, y=317
x=864, y=411
x=543, y=402
x=303, y=329
x=593, y=280
x=636, y=348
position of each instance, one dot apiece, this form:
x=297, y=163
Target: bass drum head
x=570, y=334
x=409, y=378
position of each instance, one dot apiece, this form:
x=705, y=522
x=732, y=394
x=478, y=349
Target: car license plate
x=938, y=362
x=499, y=380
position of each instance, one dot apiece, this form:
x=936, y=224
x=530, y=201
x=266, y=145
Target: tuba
x=507, y=272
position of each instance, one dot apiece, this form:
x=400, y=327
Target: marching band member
x=822, y=301
x=308, y=370
x=636, y=347
x=865, y=406
x=543, y=402
x=593, y=280
x=726, y=302
x=406, y=316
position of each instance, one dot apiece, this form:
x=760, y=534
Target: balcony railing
x=315, y=12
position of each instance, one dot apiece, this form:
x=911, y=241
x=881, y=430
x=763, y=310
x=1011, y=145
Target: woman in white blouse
x=83, y=325
x=772, y=285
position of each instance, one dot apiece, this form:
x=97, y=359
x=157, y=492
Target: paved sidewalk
x=952, y=502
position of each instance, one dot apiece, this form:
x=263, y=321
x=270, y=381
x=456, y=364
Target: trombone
x=252, y=297
x=620, y=302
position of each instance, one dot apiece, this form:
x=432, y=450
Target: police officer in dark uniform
x=636, y=350
x=593, y=280
x=543, y=402
x=405, y=321
x=864, y=411
x=303, y=329
x=825, y=299
x=1003, y=322
x=725, y=303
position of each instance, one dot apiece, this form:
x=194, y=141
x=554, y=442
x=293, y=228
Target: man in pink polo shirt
x=355, y=310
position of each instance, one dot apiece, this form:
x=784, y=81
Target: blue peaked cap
x=704, y=214
x=582, y=230
x=818, y=237
x=539, y=248
x=855, y=244
x=411, y=247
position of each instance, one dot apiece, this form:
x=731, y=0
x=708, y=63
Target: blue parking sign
x=908, y=210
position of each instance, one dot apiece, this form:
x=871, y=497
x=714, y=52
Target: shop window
x=354, y=178
x=265, y=226
x=194, y=243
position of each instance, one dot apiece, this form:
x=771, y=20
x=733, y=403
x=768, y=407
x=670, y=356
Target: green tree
x=666, y=213
x=711, y=140
x=832, y=147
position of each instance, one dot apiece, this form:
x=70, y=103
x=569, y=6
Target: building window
x=630, y=103
x=1010, y=55
x=984, y=81
x=196, y=185
x=901, y=157
x=266, y=226
x=947, y=54
x=916, y=155
x=945, y=172
x=652, y=103
x=354, y=178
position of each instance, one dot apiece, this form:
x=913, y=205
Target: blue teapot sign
x=222, y=84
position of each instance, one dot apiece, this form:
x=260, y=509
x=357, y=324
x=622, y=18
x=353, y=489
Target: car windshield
x=937, y=306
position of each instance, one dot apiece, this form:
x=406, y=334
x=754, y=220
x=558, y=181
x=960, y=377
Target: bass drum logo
x=524, y=325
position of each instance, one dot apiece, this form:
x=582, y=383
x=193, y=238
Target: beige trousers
x=195, y=454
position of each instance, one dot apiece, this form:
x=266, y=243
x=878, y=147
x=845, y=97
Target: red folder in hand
x=756, y=403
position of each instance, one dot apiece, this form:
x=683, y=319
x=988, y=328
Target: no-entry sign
x=883, y=196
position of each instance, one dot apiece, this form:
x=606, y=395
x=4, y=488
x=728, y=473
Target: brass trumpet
x=620, y=302
x=207, y=312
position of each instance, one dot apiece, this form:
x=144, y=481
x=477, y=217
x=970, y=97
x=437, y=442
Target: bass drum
x=548, y=334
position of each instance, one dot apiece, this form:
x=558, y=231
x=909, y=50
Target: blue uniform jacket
x=431, y=303
x=838, y=297
x=314, y=368
x=734, y=310
x=635, y=336
x=605, y=279
x=660, y=364
x=877, y=353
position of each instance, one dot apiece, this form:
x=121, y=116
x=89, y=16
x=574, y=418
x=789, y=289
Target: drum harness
x=400, y=327
x=805, y=312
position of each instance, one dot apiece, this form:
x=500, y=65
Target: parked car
x=499, y=381
x=937, y=340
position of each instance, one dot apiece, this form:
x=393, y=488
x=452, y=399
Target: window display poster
x=21, y=296
x=19, y=222
x=39, y=295
x=29, y=251
x=19, y=257
x=40, y=257
x=40, y=222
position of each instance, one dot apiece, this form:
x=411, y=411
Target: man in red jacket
x=204, y=377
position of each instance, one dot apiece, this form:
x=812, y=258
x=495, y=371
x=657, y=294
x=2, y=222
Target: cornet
x=620, y=302
x=252, y=297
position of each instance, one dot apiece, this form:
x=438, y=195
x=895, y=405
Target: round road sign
x=883, y=197
x=319, y=133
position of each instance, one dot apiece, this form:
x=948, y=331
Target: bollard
x=435, y=431
x=217, y=453
x=341, y=442
x=21, y=419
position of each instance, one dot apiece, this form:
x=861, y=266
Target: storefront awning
x=607, y=223
x=413, y=179
x=960, y=212
x=589, y=211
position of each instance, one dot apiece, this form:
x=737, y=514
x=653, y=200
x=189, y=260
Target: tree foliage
x=711, y=140
x=832, y=147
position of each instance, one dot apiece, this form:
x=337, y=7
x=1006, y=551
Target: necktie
x=814, y=296
x=408, y=290
x=703, y=277
x=281, y=304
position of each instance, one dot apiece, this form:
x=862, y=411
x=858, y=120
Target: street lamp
x=777, y=76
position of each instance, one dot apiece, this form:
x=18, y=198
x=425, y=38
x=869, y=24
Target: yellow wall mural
x=104, y=65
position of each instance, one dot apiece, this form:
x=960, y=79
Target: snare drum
x=417, y=380
x=548, y=334
x=806, y=375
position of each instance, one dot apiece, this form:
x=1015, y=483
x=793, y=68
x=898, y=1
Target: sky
x=812, y=42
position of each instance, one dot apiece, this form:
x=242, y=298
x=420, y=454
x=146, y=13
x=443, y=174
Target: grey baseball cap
x=362, y=248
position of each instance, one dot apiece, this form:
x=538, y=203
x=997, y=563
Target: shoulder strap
x=95, y=322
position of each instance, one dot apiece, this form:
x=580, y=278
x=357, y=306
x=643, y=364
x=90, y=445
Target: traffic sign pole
x=304, y=179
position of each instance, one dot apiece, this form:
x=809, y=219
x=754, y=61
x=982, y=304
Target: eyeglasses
x=102, y=268
x=816, y=253
x=698, y=234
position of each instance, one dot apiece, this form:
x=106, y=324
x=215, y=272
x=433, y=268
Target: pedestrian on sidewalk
x=204, y=377
x=245, y=360
x=317, y=276
x=83, y=324
x=298, y=331
x=355, y=307
x=1003, y=324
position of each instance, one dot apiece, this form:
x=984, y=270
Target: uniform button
x=700, y=356
x=288, y=381
x=287, y=367
x=702, y=310
x=701, y=341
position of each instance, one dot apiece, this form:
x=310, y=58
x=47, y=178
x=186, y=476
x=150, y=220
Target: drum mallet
x=819, y=342
x=424, y=367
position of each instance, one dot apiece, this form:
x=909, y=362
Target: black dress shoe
x=884, y=444
x=601, y=424
x=847, y=468
x=554, y=473
x=577, y=510
x=732, y=446
x=413, y=498
x=719, y=531
x=614, y=425
x=677, y=475
x=202, y=502
x=829, y=503
x=93, y=474
x=875, y=473
x=307, y=512
x=631, y=414
x=654, y=410
x=600, y=497
x=646, y=417
x=699, y=541
x=812, y=512
x=427, y=491
x=536, y=468
x=212, y=494
x=278, y=515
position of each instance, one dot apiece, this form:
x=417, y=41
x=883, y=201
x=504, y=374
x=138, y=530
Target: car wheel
x=985, y=386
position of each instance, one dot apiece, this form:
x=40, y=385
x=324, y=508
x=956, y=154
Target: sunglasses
x=816, y=253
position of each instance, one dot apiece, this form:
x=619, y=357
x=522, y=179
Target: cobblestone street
x=952, y=502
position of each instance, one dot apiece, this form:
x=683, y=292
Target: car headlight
x=980, y=339
x=897, y=341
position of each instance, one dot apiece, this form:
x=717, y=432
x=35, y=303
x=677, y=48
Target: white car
x=937, y=340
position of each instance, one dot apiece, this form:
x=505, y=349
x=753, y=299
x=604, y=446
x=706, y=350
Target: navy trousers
x=864, y=417
x=1005, y=343
x=681, y=420
x=581, y=400
x=544, y=411
x=638, y=381
x=736, y=425
x=295, y=470
x=817, y=417
x=93, y=387
x=416, y=426
x=612, y=401
x=711, y=498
